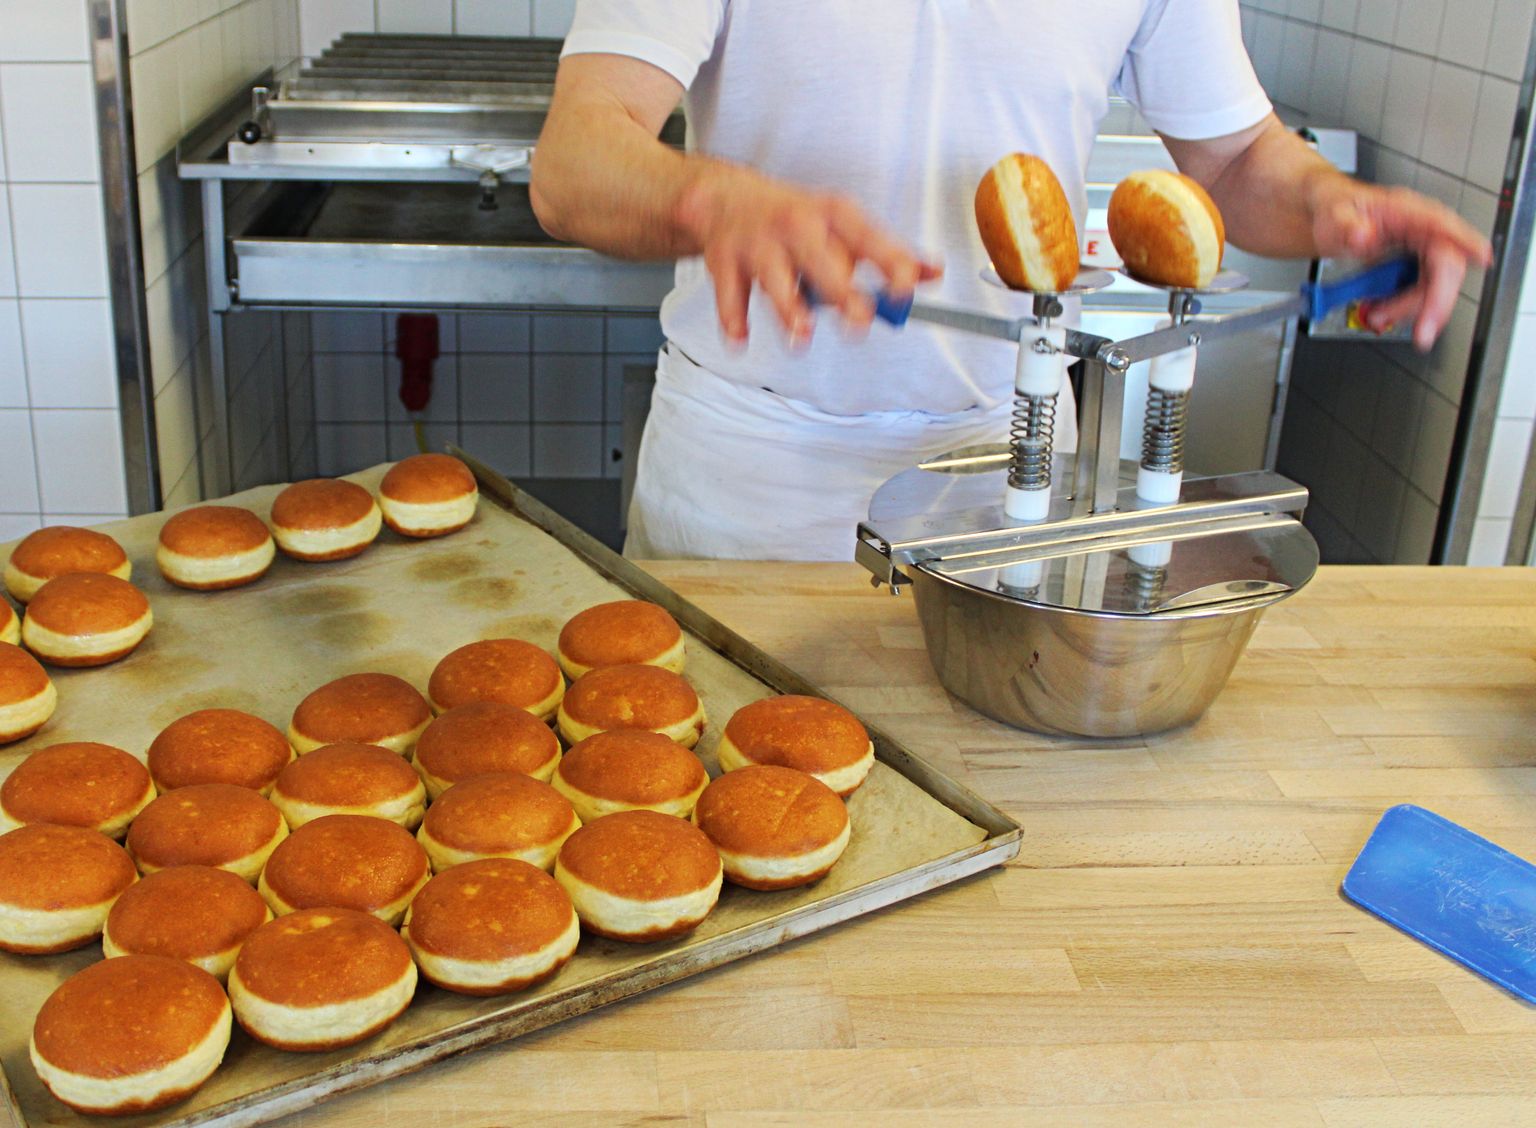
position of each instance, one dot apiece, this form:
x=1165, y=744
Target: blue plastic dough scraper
x=1456, y=892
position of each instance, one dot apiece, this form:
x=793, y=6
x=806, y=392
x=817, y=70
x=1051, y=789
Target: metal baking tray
x=517, y=569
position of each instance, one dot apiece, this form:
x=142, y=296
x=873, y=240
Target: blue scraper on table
x=1453, y=890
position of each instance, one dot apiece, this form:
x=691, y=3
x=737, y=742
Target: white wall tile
x=568, y=388
x=14, y=526
x=7, y=252
x=43, y=31
x=1431, y=455
x=1518, y=400
x=1416, y=530
x=13, y=366
x=567, y=450
x=1418, y=25
x=552, y=18
x=349, y=388
x=427, y=17
x=71, y=355
x=1511, y=39
x=1330, y=77
x=1377, y=19
x=1339, y=14
x=1298, y=46
x=1464, y=34
x=1268, y=42
x=341, y=448
x=69, y=482
x=149, y=22
x=347, y=332
x=495, y=332
x=1507, y=457
x=2, y=147
x=507, y=447
x=321, y=21
x=1366, y=90
x=1408, y=81
x=50, y=121
x=1448, y=124
x=568, y=333
x=155, y=76
x=493, y=17
x=1494, y=126
x=17, y=469
x=494, y=388
x=1490, y=541
x=60, y=240
x=176, y=427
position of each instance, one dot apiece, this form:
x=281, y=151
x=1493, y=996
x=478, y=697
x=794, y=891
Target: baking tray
x=518, y=569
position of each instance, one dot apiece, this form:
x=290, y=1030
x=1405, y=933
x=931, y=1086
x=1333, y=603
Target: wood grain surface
x=1171, y=946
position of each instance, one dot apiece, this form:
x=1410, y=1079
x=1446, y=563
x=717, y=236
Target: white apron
x=734, y=472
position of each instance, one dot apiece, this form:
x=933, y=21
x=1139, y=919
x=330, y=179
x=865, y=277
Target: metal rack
x=390, y=173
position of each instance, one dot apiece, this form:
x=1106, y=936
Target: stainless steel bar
x=1282, y=394
x=1106, y=438
x=120, y=200
x=970, y=321
x=1259, y=492
x=1164, y=341
x=1068, y=545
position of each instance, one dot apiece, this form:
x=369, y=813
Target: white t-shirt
x=904, y=104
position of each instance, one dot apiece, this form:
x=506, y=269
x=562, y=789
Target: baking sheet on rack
x=398, y=608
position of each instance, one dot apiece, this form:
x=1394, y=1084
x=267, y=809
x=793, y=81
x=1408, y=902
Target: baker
x=839, y=142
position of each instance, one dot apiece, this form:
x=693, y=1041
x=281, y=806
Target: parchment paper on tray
x=398, y=608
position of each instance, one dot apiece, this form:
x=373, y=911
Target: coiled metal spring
x=1162, y=433
x=1145, y=585
x=1032, y=436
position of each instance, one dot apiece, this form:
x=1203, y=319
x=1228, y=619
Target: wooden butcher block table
x=1170, y=945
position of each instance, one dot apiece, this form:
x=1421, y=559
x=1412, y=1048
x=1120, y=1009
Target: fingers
x=780, y=282
x=901, y=269
x=1446, y=267
x=1429, y=303
x=733, y=286
x=1414, y=221
x=784, y=235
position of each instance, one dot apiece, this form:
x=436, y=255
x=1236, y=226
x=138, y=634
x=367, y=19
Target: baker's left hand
x=1367, y=221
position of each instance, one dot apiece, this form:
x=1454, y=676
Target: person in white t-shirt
x=840, y=142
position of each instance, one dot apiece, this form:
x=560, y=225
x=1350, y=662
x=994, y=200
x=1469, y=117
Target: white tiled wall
x=187, y=59
x=323, y=20
x=1430, y=85
x=60, y=442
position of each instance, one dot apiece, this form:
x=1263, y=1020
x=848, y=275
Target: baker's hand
x=754, y=231
x=1365, y=221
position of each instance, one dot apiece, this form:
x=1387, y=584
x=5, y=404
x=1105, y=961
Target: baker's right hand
x=754, y=231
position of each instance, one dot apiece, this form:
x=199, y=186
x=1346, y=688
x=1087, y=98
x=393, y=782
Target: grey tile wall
x=537, y=395
x=1430, y=86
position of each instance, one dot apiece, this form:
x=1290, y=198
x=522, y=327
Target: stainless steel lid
x=946, y=518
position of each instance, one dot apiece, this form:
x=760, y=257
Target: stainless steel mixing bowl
x=1063, y=670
